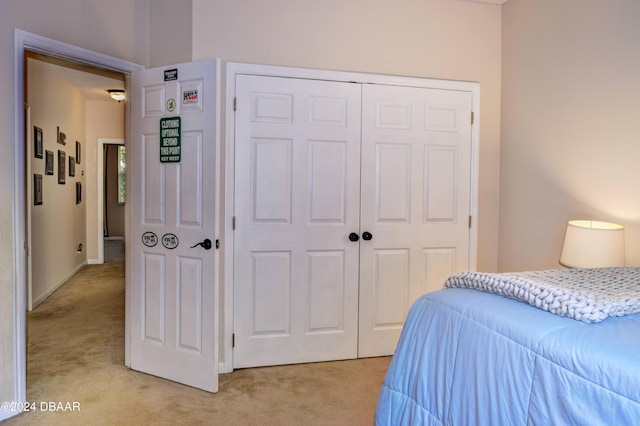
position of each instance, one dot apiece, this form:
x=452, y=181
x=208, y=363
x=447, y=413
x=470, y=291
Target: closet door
x=297, y=176
x=416, y=160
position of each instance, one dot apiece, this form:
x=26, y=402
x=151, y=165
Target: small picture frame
x=78, y=152
x=61, y=138
x=37, y=189
x=37, y=142
x=48, y=162
x=62, y=163
x=78, y=192
x=72, y=166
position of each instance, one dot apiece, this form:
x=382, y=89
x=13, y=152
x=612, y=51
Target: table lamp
x=592, y=244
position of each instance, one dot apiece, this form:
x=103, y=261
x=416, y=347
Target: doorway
x=24, y=42
x=68, y=106
x=111, y=205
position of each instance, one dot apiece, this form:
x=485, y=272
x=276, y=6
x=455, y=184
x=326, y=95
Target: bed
x=482, y=352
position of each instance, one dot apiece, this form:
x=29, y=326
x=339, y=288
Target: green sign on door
x=170, y=140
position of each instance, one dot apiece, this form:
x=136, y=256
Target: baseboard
x=94, y=262
x=60, y=283
x=113, y=238
x=4, y=415
x=224, y=369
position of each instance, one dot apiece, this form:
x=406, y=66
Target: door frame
x=28, y=41
x=235, y=68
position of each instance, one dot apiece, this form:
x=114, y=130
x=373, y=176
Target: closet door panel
x=440, y=184
x=415, y=189
x=271, y=180
x=297, y=176
x=393, y=183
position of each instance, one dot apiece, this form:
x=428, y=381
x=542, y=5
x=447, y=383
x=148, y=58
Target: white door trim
x=235, y=68
x=29, y=195
x=100, y=197
x=25, y=40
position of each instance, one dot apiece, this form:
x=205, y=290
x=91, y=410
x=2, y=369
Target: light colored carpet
x=76, y=354
x=113, y=251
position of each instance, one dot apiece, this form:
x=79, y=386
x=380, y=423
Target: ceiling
x=92, y=82
x=92, y=86
x=496, y=2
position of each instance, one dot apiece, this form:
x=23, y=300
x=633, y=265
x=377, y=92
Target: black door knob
x=206, y=244
x=367, y=236
x=353, y=236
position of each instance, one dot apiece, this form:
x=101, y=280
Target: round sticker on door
x=170, y=241
x=149, y=239
x=171, y=104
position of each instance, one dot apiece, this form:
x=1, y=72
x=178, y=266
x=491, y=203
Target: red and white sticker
x=190, y=97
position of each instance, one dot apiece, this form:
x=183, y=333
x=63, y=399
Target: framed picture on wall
x=72, y=167
x=61, y=138
x=48, y=163
x=37, y=189
x=78, y=149
x=62, y=163
x=78, y=192
x=37, y=142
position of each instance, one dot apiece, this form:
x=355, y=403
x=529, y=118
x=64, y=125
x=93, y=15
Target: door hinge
x=233, y=340
x=471, y=117
x=470, y=221
x=235, y=104
x=233, y=223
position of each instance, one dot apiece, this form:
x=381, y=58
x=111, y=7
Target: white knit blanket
x=589, y=295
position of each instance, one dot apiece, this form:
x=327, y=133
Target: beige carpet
x=76, y=354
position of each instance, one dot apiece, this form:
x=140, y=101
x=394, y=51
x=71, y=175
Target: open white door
x=172, y=175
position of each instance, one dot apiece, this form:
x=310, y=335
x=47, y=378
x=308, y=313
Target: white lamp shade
x=591, y=244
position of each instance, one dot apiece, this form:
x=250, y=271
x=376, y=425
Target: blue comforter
x=466, y=357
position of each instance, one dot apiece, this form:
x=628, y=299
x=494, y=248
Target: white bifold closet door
x=415, y=192
x=319, y=163
x=297, y=199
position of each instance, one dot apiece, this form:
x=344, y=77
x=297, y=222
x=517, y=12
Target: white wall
x=570, y=110
x=58, y=224
x=424, y=38
x=117, y=28
x=171, y=36
x=105, y=119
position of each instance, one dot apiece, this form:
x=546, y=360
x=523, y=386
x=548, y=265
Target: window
x=122, y=180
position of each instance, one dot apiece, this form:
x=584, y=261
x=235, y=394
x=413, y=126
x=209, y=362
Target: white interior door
x=172, y=282
x=416, y=181
x=297, y=173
